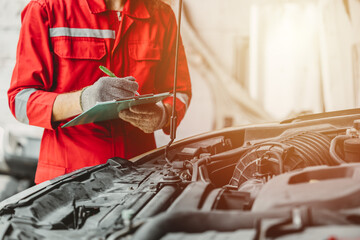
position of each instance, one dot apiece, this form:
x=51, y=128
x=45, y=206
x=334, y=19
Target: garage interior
x=251, y=61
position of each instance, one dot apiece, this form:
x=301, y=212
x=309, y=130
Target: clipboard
x=109, y=110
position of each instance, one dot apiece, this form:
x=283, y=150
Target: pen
x=111, y=74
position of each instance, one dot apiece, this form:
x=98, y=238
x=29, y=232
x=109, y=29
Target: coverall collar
x=136, y=9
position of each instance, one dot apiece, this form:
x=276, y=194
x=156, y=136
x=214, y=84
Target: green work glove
x=147, y=117
x=107, y=89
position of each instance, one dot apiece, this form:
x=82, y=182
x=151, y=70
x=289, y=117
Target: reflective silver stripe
x=21, y=101
x=81, y=32
x=183, y=97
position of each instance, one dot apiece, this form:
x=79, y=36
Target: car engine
x=298, y=178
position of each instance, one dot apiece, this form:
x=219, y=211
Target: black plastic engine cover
x=319, y=187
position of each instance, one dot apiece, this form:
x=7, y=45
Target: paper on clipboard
x=109, y=110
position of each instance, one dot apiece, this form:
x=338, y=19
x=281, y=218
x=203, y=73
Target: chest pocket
x=76, y=62
x=144, y=62
x=80, y=48
x=144, y=52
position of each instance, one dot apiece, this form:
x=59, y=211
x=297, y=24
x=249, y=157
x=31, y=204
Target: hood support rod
x=173, y=119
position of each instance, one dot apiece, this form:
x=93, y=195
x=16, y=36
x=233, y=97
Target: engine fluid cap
x=357, y=124
x=352, y=150
x=352, y=145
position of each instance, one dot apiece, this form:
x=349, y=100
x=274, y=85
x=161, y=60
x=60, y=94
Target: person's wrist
x=81, y=100
x=168, y=109
x=163, y=118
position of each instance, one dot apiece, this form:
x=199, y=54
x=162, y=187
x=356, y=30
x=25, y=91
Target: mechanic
x=56, y=77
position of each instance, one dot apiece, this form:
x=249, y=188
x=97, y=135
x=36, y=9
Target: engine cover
x=319, y=187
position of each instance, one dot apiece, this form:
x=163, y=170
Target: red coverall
x=61, y=45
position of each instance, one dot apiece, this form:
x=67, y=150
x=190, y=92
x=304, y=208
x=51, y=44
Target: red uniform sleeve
x=30, y=97
x=167, y=71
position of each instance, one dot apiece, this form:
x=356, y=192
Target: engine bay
x=297, y=178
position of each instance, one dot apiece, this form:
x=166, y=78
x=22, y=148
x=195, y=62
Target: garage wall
x=9, y=32
x=306, y=62
x=292, y=56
